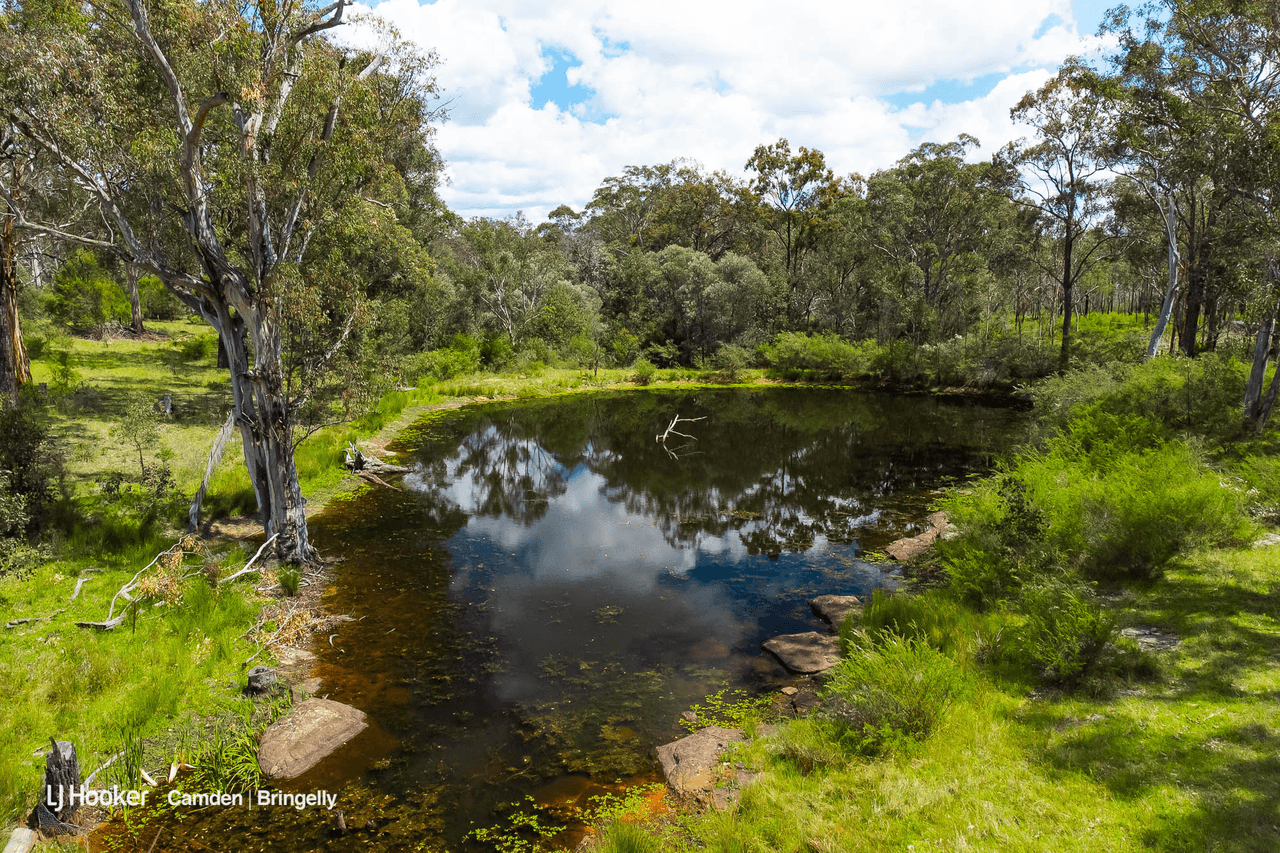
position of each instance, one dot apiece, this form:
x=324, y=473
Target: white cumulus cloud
x=712, y=80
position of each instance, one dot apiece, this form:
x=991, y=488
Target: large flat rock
x=691, y=765
x=834, y=609
x=805, y=653
x=294, y=744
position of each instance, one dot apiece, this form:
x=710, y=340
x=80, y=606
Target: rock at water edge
x=834, y=609
x=690, y=764
x=805, y=653
x=304, y=689
x=261, y=679
x=293, y=745
x=289, y=656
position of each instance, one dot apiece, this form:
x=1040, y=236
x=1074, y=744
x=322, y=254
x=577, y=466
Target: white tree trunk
x=1171, y=229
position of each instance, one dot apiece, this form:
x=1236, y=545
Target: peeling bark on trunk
x=215, y=456
x=15, y=367
x=261, y=413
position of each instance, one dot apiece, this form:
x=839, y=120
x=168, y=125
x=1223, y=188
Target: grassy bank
x=1183, y=761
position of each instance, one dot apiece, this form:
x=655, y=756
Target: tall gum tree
x=215, y=140
x=796, y=188
x=15, y=367
x=1065, y=175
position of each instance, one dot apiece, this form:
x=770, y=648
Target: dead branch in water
x=671, y=430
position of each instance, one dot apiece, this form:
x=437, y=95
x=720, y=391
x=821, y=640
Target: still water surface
x=553, y=586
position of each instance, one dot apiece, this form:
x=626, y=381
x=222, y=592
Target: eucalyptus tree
x=16, y=163
x=1212, y=68
x=510, y=272
x=1176, y=148
x=795, y=188
x=841, y=262
x=1065, y=174
x=1222, y=59
x=936, y=213
x=235, y=133
x=677, y=203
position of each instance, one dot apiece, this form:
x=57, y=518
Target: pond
x=554, y=585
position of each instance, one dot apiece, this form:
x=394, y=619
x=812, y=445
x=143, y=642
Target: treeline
x=1147, y=186
x=298, y=215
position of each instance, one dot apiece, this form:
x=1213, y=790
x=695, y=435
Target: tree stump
x=61, y=777
x=261, y=679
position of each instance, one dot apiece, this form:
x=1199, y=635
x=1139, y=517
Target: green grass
x=96, y=688
x=109, y=372
x=1183, y=763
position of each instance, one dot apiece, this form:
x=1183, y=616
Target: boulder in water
x=294, y=744
x=805, y=653
x=833, y=609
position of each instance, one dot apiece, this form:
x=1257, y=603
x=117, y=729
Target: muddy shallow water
x=553, y=586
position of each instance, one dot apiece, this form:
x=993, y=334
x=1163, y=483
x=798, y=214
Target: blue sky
x=548, y=100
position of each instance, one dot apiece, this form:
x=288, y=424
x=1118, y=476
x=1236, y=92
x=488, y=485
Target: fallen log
x=370, y=477
x=249, y=565
x=108, y=625
x=14, y=623
x=357, y=462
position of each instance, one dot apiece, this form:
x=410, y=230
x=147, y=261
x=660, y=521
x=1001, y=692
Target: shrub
x=729, y=361
x=886, y=695
x=1088, y=501
x=496, y=352
x=1065, y=631
x=1198, y=396
x=138, y=428
x=156, y=302
x=462, y=357
x=642, y=371
x=84, y=297
x=898, y=361
x=821, y=358
x=195, y=347
x=28, y=465
x=65, y=377
x=1262, y=477
x=14, y=517
x=1128, y=515
x=290, y=579
x=1001, y=541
